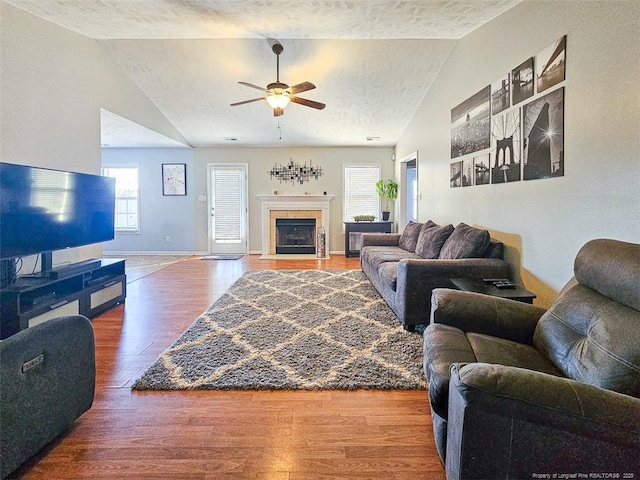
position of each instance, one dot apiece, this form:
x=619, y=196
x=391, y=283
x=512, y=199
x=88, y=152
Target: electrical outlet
x=168, y=238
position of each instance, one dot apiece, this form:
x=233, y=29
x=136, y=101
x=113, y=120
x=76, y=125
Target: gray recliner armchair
x=47, y=380
x=516, y=391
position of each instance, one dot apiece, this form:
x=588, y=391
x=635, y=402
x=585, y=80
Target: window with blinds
x=127, y=216
x=360, y=195
x=227, y=203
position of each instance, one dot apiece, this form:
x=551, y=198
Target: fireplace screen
x=295, y=235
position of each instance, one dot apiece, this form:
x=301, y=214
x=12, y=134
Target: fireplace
x=299, y=208
x=295, y=235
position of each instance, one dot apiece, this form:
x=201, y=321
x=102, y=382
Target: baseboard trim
x=115, y=253
x=146, y=252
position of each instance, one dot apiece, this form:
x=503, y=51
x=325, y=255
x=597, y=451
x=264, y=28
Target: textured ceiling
x=372, y=62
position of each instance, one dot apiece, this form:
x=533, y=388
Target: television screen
x=43, y=210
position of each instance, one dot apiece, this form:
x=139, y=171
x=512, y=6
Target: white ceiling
x=372, y=62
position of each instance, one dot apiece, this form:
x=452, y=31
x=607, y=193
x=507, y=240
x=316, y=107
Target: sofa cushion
x=409, y=236
x=431, y=239
x=465, y=242
x=376, y=256
x=388, y=273
x=445, y=345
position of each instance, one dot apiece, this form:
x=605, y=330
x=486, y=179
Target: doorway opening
x=409, y=187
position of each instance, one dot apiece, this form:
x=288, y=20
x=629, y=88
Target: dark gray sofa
x=516, y=391
x=405, y=268
x=47, y=380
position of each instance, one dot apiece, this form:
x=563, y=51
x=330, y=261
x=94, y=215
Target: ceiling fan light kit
x=278, y=94
x=278, y=100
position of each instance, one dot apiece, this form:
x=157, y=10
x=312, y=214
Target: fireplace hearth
x=295, y=235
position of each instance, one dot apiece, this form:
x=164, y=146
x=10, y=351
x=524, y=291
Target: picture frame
x=500, y=94
x=543, y=136
x=506, y=147
x=174, y=179
x=471, y=124
x=522, y=81
x=550, y=65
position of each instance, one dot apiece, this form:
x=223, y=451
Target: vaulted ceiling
x=372, y=62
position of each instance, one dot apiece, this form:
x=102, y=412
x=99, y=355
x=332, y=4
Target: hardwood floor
x=277, y=435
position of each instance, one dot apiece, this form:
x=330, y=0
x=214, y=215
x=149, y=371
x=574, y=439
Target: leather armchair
x=517, y=391
x=47, y=380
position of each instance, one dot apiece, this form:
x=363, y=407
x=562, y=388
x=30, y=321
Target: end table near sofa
x=478, y=285
x=353, y=230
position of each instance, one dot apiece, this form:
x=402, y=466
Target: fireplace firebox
x=295, y=235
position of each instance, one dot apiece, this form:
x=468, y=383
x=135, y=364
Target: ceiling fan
x=279, y=94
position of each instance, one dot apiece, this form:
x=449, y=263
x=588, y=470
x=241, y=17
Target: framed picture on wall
x=543, y=136
x=522, y=81
x=471, y=124
x=550, y=64
x=500, y=96
x=174, y=179
x=481, y=169
x=505, y=146
x=455, y=176
x=467, y=176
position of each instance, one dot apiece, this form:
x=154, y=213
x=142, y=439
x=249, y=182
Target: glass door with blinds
x=227, y=208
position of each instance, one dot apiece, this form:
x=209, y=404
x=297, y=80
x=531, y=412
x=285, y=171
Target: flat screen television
x=43, y=210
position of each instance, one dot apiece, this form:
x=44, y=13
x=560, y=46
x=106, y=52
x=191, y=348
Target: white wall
x=545, y=222
x=54, y=83
x=160, y=216
x=185, y=219
x=261, y=160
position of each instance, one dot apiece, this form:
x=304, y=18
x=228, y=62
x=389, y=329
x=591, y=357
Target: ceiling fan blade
x=247, y=101
x=301, y=87
x=247, y=84
x=307, y=103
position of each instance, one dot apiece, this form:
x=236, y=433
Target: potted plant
x=387, y=190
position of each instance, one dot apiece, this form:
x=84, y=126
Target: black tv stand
x=65, y=270
x=87, y=288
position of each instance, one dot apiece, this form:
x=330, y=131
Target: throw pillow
x=431, y=240
x=430, y=223
x=465, y=242
x=409, y=236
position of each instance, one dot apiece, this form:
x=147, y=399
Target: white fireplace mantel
x=293, y=202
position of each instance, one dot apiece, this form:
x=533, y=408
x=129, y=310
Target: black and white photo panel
x=550, y=64
x=543, y=136
x=500, y=97
x=471, y=124
x=455, y=177
x=522, y=81
x=467, y=172
x=481, y=169
x=505, y=146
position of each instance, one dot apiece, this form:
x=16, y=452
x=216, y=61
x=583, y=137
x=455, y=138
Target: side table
x=353, y=230
x=480, y=286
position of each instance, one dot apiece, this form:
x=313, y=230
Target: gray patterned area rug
x=293, y=329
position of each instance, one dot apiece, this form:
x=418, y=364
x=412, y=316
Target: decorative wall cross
x=295, y=173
